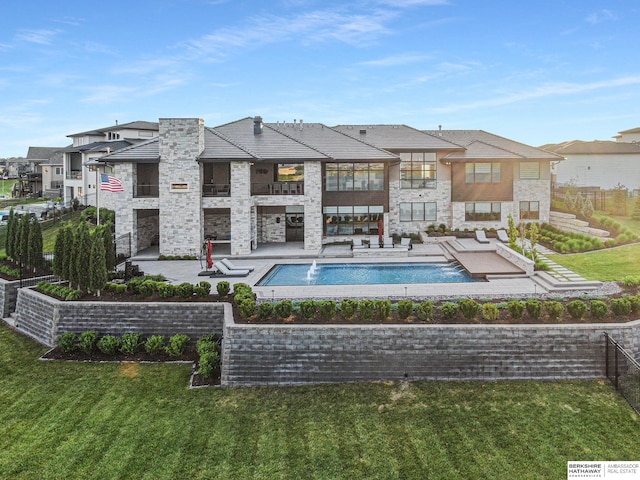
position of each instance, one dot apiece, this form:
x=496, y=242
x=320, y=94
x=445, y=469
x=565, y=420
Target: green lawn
x=605, y=265
x=61, y=420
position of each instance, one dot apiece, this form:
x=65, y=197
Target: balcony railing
x=216, y=190
x=74, y=175
x=146, y=191
x=278, y=188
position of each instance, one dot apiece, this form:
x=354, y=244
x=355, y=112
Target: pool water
x=365, y=274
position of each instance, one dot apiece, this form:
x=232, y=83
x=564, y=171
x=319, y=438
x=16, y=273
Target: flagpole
x=98, y=185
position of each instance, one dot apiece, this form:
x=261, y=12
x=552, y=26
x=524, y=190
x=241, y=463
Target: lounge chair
x=227, y=263
x=387, y=242
x=502, y=236
x=374, y=242
x=406, y=242
x=357, y=243
x=221, y=268
x=481, y=236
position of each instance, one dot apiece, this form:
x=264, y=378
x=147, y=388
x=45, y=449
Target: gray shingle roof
x=597, y=147
x=397, y=137
x=503, y=148
x=217, y=147
x=138, y=124
x=100, y=146
x=50, y=155
x=144, y=152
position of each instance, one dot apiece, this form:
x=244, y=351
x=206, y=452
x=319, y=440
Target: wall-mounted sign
x=179, y=187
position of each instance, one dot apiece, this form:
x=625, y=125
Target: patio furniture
x=231, y=266
x=357, y=243
x=481, y=236
x=220, y=268
x=502, y=236
x=387, y=242
x=406, y=242
x=374, y=242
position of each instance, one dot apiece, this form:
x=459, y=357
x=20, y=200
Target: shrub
x=598, y=308
x=265, y=310
x=205, y=345
x=405, y=308
x=184, y=290
x=490, y=312
x=247, y=307
x=516, y=309
x=130, y=343
x=534, y=307
x=383, y=309
x=630, y=280
x=223, y=288
x=208, y=363
x=469, y=308
x=67, y=342
x=284, y=308
x=166, y=290
x=205, y=286
x=424, y=310
x=621, y=306
x=109, y=344
x=73, y=295
x=327, y=309
x=308, y=308
x=554, y=309
x=177, y=345
x=366, y=308
x=147, y=288
x=87, y=341
x=577, y=309
x=635, y=303
x=200, y=291
x=449, y=310
x=154, y=344
x=348, y=307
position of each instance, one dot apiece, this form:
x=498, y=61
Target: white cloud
x=40, y=37
x=392, y=61
x=412, y=3
x=600, y=16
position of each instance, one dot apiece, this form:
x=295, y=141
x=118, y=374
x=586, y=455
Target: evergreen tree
x=69, y=243
x=82, y=255
x=533, y=239
x=636, y=209
x=512, y=231
x=109, y=248
x=11, y=231
x=97, y=264
x=35, y=244
x=59, y=251
x=23, y=245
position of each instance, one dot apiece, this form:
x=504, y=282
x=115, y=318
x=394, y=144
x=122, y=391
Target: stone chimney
x=257, y=125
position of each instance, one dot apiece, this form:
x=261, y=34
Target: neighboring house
x=601, y=164
x=46, y=176
x=79, y=181
x=247, y=183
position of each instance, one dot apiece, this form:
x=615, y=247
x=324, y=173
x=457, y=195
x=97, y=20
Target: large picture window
x=482, y=172
x=350, y=220
x=529, y=171
x=482, y=211
x=290, y=172
x=529, y=210
x=418, y=211
x=417, y=170
x=349, y=177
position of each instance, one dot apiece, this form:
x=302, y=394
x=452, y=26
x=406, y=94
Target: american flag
x=110, y=184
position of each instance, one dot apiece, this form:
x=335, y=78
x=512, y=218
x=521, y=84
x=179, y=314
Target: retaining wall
x=8, y=296
x=569, y=223
x=45, y=318
x=286, y=354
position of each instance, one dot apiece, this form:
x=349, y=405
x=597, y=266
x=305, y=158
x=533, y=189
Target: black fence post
x=606, y=354
x=617, y=373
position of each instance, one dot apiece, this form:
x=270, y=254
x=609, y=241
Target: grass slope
x=67, y=421
x=605, y=265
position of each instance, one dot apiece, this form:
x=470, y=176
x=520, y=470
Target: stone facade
x=313, y=206
x=8, y=296
x=243, y=220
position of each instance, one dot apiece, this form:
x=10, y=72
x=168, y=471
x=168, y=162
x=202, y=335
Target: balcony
x=216, y=190
x=146, y=191
x=74, y=175
x=278, y=188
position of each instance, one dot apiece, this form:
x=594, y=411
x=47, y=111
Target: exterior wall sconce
x=277, y=219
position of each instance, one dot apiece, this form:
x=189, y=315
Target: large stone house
x=247, y=183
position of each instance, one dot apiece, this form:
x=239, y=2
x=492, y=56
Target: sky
x=536, y=72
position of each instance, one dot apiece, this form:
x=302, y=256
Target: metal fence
x=623, y=371
x=123, y=247
x=35, y=268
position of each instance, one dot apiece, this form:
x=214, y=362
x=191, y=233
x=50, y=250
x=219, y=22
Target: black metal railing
x=278, y=188
x=123, y=247
x=216, y=190
x=623, y=371
x=146, y=191
x=35, y=268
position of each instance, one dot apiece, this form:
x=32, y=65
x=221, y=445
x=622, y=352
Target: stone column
x=181, y=141
x=241, y=212
x=312, y=206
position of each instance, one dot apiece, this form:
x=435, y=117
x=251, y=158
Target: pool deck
x=504, y=279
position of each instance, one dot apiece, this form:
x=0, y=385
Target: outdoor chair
x=374, y=242
x=231, y=266
x=406, y=242
x=220, y=268
x=357, y=243
x=387, y=242
x=481, y=236
x=502, y=236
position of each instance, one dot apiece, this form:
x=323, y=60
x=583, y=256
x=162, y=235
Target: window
x=482, y=172
x=482, y=211
x=529, y=210
x=417, y=170
x=290, y=172
x=349, y=177
x=529, y=171
x=349, y=220
x=58, y=171
x=416, y=212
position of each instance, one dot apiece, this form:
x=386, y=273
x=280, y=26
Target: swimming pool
x=365, y=274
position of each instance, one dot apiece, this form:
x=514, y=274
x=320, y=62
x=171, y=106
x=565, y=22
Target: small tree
x=82, y=255
x=635, y=214
x=534, y=234
x=11, y=231
x=68, y=242
x=579, y=204
x=587, y=208
x=35, y=244
x=512, y=231
x=59, y=250
x=23, y=244
x=109, y=248
x=97, y=264
x=569, y=202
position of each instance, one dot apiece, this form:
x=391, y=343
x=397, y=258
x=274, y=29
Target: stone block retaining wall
x=286, y=354
x=8, y=296
x=45, y=318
